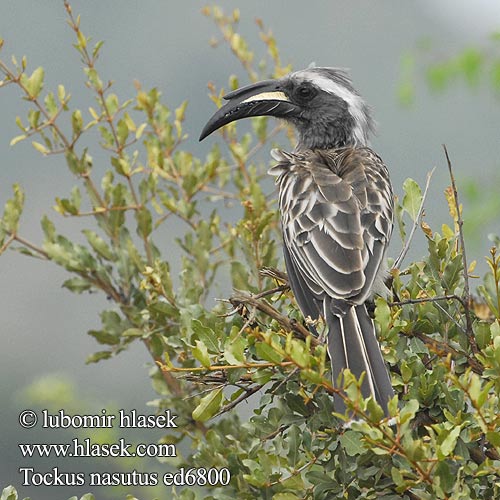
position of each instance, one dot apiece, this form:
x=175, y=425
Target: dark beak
x=265, y=98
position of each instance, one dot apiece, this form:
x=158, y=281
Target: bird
x=336, y=207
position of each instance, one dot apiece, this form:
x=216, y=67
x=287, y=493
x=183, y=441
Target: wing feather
x=336, y=211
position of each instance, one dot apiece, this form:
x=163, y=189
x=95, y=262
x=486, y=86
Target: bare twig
x=239, y=399
x=416, y=222
x=423, y=300
x=245, y=299
x=466, y=294
x=9, y=240
x=212, y=368
x=276, y=274
x=40, y=251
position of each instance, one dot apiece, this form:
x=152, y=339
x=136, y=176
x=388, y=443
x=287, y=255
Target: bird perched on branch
x=336, y=206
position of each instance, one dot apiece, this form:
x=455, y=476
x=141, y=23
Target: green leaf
x=34, y=83
x=493, y=438
x=99, y=245
x=98, y=356
x=398, y=213
x=17, y=139
x=409, y=411
x=94, y=79
x=144, y=222
x=75, y=165
x=200, y=352
x=448, y=444
x=412, y=198
x=77, y=122
x=294, y=440
x=9, y=493
x=382, y=313
x=13, y=210
x=77, y=285
x=40, y=148
x=267, y=353
x=352, y=443
x=48, y=228
x=50, y=104
x=285, y=496
x=482, y=333
x=234, y=350
x=209, y=405
x=452, y=273
x=104, y=337
x=133, y=332
x=206, y=335
x=122, y=130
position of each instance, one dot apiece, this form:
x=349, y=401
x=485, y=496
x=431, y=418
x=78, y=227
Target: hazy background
x=165, y=44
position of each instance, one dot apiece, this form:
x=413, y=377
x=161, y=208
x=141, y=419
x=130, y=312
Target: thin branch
x=31, y=246
x=239, y=399
x=213, y=368
x=416, y=223
x=103, y=210
x=423, y=300
x=276, y=274
x=245, y=299
x=9, y=240
x=466, y=294
x=443, y=349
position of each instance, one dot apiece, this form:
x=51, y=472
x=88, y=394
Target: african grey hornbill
x=336, y=205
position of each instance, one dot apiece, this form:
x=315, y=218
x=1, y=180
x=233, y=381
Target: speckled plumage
x=336, y=215
x=336, y=206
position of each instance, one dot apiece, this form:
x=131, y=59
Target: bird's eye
x=305, y=92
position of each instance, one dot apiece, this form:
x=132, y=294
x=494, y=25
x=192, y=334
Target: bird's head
x=321, y=103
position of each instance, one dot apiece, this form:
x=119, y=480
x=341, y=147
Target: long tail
x=352, y=344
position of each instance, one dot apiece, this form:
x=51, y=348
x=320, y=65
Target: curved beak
x=265, y=98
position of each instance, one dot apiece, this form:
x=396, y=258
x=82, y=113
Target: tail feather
x=352, y=344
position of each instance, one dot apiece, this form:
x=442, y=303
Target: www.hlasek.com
x=194, y=476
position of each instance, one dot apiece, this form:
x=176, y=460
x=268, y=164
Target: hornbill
x=336, y=206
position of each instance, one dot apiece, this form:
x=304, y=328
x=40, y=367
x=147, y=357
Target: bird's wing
x=336, y=218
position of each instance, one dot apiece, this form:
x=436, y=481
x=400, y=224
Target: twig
x=466, y=294
x=416, y=222
x=436, y=300
x=285, y=380
x=273, y=434
x=9, y=240
x=212, y=368
x=276, y=274
x=423, y=300
x=42, y=253
x=271, y=291
x=245, y=299
x=443, y=349
x=239, y=399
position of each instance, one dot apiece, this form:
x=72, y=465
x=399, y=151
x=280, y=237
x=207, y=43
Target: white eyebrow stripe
x=353, y=100
x=268, y=96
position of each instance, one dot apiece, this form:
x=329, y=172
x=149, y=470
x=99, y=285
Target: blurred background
x=399, y=55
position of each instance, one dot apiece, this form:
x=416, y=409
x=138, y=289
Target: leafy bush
x=442, y=344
